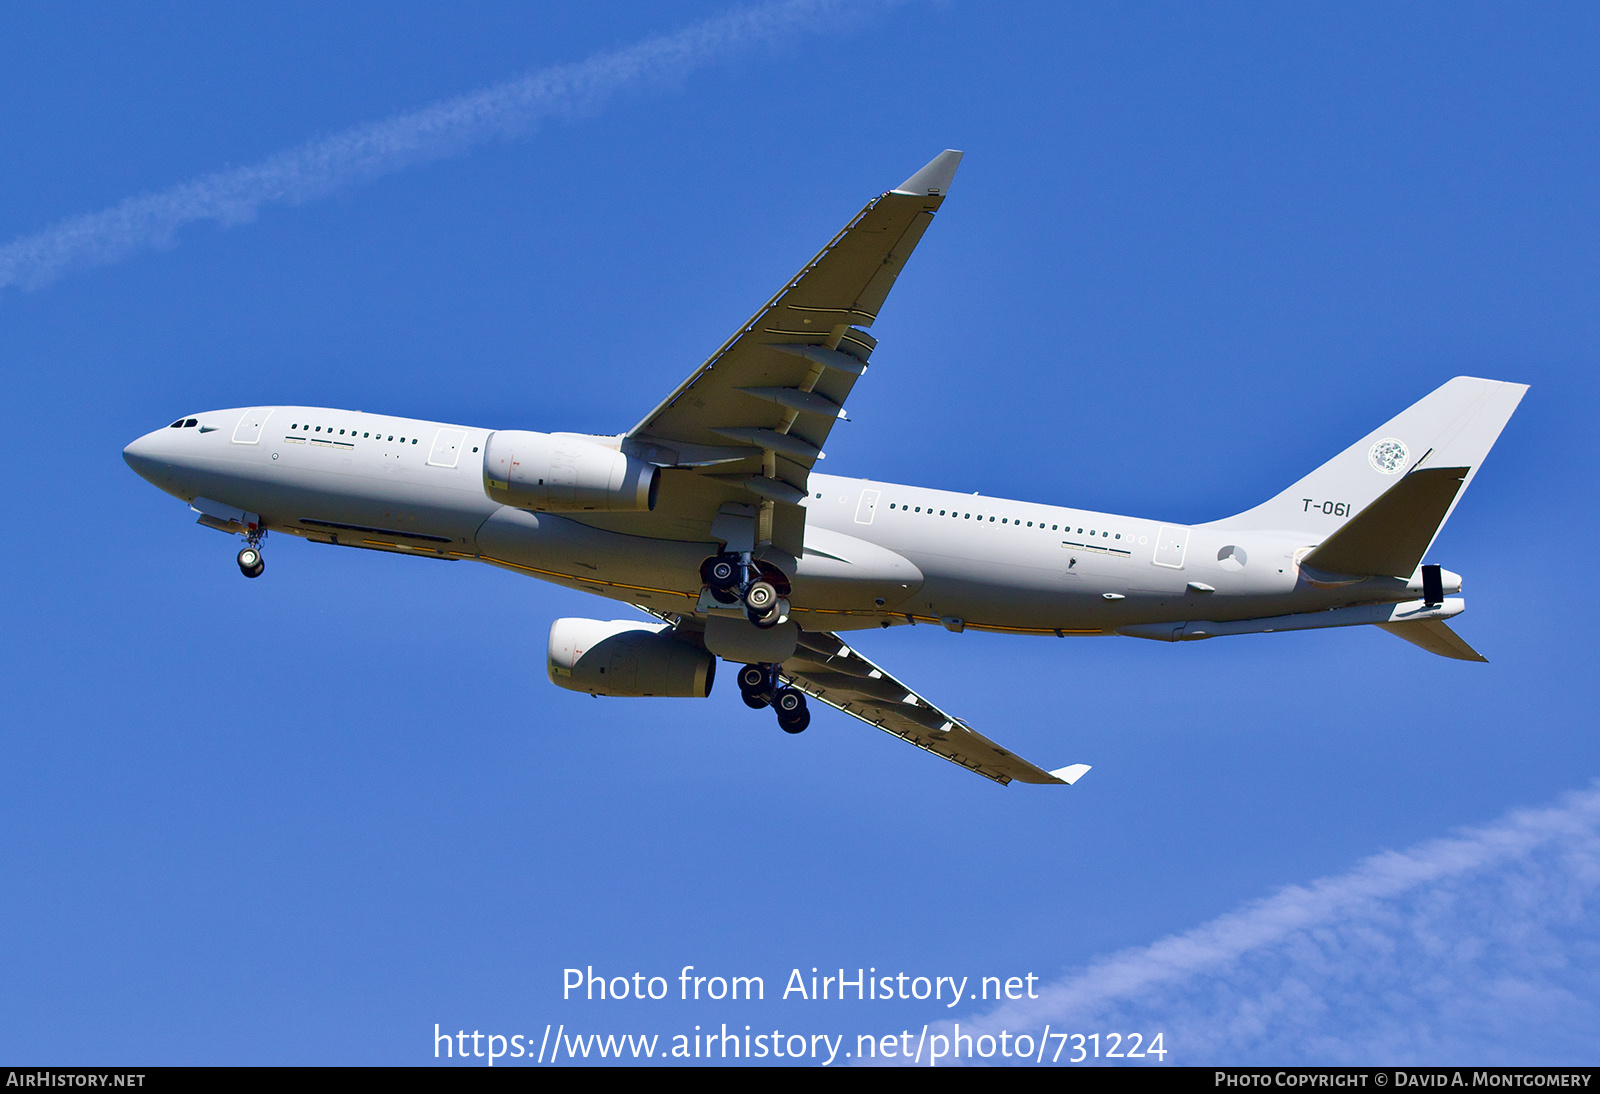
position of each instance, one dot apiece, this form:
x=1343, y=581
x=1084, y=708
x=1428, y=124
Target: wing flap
x=830, y=671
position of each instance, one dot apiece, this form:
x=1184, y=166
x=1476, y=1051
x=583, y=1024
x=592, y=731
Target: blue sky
x=1191, y=253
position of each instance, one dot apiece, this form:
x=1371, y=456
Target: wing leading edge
x=749, y=424
x=827, y=669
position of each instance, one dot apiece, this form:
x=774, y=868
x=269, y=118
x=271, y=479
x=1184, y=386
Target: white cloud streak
x=366, y=152
x=1479, y=948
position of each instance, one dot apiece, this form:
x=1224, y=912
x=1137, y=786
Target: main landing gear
x=760, y=686
x=250, y=561
x=762, y=590
x=760, y=587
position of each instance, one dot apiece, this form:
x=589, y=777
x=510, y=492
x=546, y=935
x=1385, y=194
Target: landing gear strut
x=760, y=686
x=250, y=561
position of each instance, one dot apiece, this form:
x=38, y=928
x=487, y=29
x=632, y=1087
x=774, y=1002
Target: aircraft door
x=446, y=448
x=867, y=506
x=248, y=431
x=1171, y=545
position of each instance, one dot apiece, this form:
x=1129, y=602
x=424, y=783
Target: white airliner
x=709, y=516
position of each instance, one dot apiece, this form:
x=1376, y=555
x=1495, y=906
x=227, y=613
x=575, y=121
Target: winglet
x=1070, y=775
x=934, y=179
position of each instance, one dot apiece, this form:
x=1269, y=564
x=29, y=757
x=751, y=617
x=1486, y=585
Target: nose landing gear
x=760, y=686
x=250, y=561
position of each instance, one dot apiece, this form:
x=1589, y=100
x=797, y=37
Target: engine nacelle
x=624, y=657
x=565, y=472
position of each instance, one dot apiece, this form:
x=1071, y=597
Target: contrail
x=1479, y=946
x=366, y=152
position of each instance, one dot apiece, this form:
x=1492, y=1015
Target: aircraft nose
x=143, y=455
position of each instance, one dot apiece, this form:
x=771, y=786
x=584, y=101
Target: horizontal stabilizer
x=1351, y=615
x=1391, y=535
x=1435, y=636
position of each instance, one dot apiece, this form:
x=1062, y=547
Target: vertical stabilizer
x=1454, y=427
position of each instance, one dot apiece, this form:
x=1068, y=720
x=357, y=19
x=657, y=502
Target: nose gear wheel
x=250, y=562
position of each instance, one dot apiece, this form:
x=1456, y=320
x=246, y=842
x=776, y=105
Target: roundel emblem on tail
x=1388, y=456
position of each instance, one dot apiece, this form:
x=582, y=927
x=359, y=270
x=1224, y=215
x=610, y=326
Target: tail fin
x=1448, y=434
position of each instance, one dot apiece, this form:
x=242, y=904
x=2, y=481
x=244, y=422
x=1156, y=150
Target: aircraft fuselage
x=876, y=553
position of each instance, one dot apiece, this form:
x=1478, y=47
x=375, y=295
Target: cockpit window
x=190, y=423
x=177, y=424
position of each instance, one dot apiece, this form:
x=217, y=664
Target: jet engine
x=623, y=657
x=565, y=472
